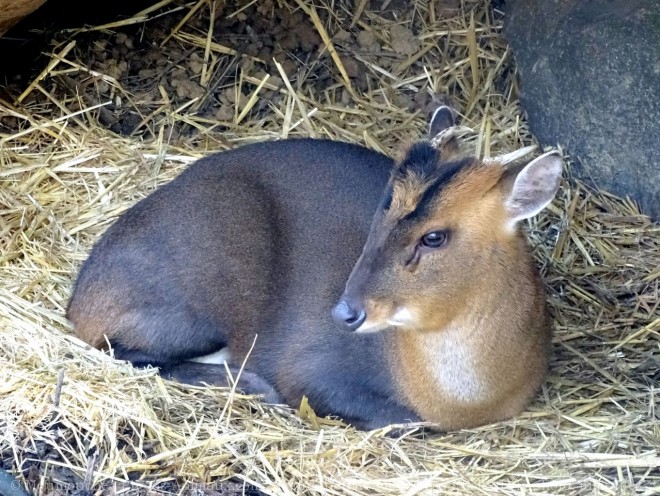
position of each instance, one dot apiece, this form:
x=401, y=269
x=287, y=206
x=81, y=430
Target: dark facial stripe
x=446, y=172
x=421, y=159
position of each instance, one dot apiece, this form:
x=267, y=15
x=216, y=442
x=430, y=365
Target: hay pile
x=72, y=419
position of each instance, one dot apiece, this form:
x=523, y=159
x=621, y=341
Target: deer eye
x=434, y=239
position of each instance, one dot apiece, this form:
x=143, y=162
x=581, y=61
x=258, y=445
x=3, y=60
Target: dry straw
x=71, y=417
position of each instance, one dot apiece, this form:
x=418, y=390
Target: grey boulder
x=590, y=81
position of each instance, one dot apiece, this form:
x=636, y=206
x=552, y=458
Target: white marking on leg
x=218, y=358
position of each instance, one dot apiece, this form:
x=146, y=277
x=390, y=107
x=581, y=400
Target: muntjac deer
x=442, y=317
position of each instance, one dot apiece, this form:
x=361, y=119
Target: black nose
x=347, y=315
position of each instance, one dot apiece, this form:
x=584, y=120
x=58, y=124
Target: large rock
x=590, y=79
x=12, y=11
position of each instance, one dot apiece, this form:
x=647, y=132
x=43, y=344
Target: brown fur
x=494, y=297
x=260, y=241
x=511, y=349
x=406, y=193
x=92, y=327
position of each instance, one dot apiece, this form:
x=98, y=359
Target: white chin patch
x=371, y=327
x=218, y=358
x=401, y=317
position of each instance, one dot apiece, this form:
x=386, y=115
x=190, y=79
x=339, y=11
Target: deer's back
x=260, y=239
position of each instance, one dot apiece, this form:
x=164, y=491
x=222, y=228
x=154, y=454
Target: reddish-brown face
x=444, y=232
x=430, y=243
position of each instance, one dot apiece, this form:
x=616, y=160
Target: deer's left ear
x=442, y=118
x=534, y=187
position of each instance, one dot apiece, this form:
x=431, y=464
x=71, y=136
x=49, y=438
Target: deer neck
x=458, y=361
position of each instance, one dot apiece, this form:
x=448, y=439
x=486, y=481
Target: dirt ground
x=149, y=64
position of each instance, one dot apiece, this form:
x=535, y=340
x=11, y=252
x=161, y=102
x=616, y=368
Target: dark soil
x=150, y=74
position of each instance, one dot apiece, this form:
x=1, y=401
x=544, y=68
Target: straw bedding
x=92, y=134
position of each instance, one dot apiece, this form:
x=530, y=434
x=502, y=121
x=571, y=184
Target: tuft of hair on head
x=410, y=178
x=530, y=188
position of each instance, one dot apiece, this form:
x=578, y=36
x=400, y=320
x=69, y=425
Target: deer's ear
x=442, y=118
x=534, y=187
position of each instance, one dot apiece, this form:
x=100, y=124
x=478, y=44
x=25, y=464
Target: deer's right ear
x=442, y=118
